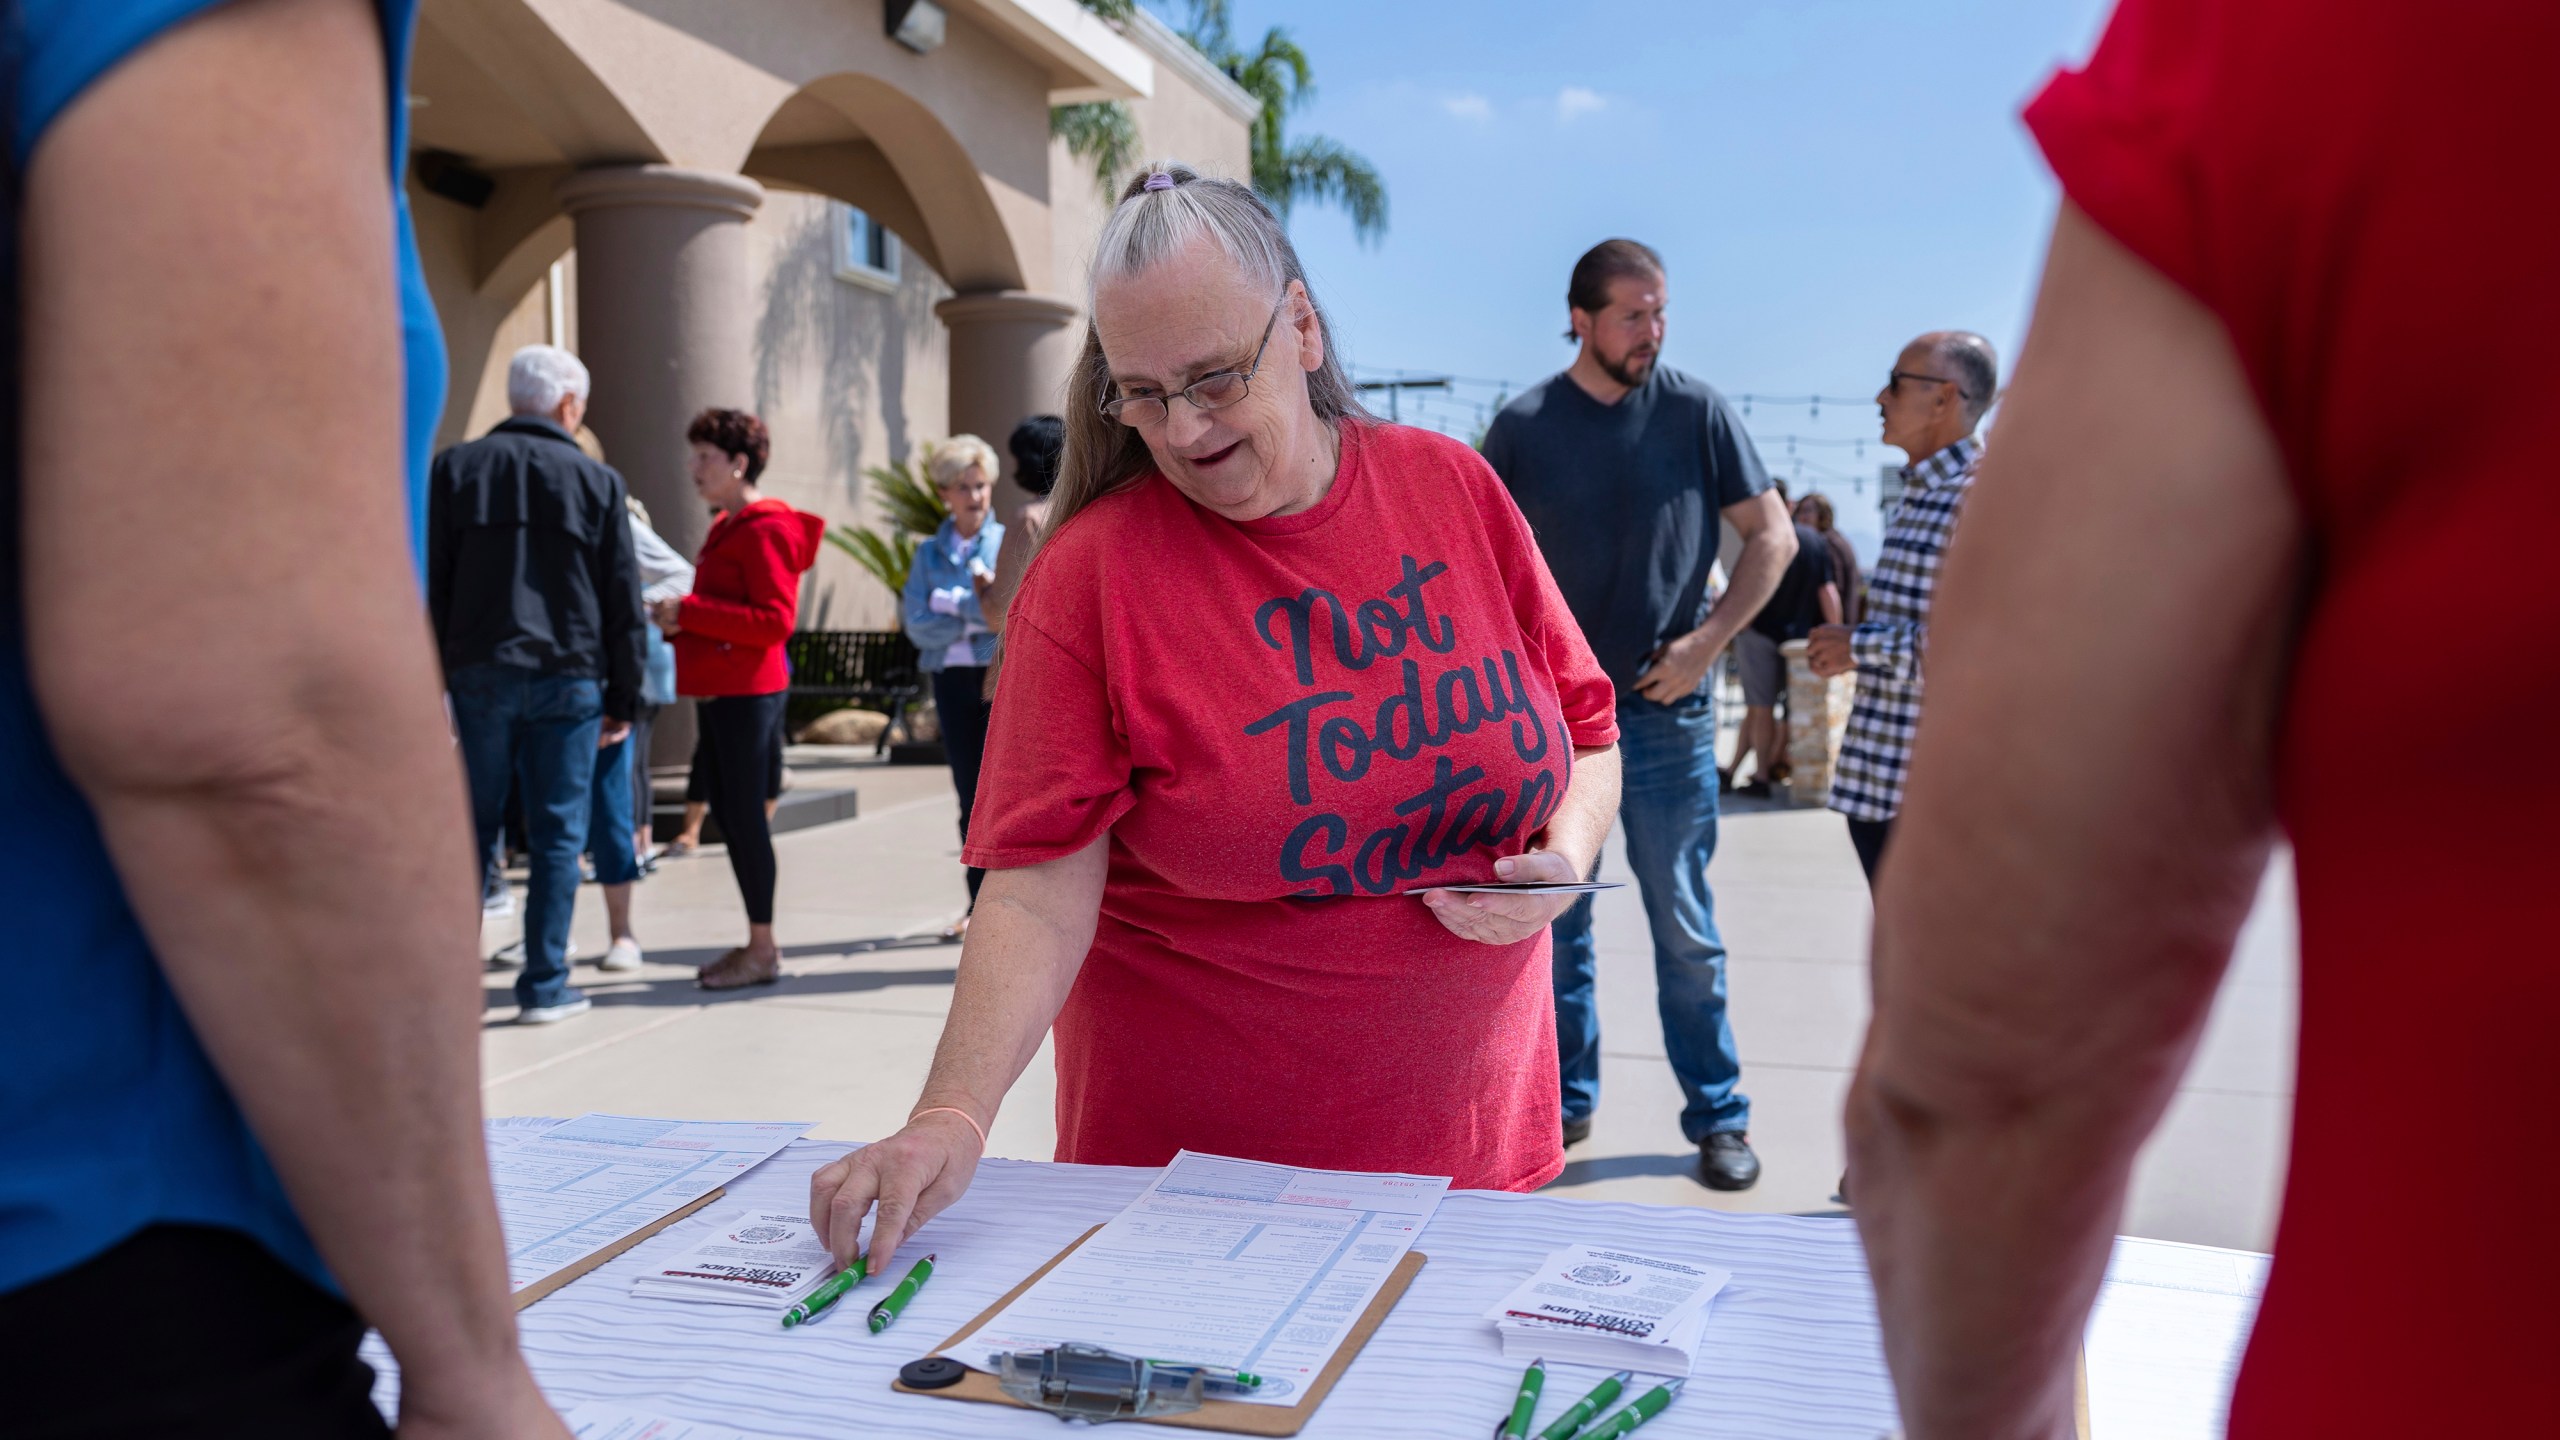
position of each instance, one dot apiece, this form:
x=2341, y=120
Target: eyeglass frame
x=1116, y=408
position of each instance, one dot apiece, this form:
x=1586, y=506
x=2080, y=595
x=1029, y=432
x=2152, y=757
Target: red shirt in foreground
x=1284, y=723
x=2362, y=191
x=746, y=597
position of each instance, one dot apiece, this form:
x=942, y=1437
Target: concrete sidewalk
x=844, y=1040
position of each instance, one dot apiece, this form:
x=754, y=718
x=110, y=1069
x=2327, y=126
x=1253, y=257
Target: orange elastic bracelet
x=953, y=1110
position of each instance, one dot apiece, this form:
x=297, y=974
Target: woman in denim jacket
x=950, y=577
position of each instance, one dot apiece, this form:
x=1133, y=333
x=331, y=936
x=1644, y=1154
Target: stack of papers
x=1236, y=1264
x=573, y=1191
x=609, y=1422
x=768, y=1259
x=1594, y=1305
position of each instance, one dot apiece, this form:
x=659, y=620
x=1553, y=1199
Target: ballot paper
x=1598, y=1305
x=579, y=1186
x=1229, y=1263
x=770, y=1259
x=608, y=1422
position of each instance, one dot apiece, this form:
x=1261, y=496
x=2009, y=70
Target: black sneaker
x=1725, y=1161
x=1576, y=1131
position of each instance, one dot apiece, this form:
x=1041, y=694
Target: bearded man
x=1622, y=466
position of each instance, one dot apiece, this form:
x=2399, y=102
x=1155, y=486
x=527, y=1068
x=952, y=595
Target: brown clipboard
x=1228, y=1416
x=575, y=1268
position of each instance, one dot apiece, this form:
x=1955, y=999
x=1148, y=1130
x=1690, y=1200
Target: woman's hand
x=911, y=1177
x=1496, y=919
x=664, y=613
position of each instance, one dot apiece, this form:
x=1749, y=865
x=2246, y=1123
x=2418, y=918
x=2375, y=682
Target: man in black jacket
x=536, y=602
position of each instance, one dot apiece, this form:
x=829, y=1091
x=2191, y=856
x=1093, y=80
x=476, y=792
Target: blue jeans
x=609, y=814
x=1668, y=808
x=542, y=729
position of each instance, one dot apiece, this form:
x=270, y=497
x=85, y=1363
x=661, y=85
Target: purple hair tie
x=1159, y=181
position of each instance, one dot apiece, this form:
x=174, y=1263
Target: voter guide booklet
x=769, y=1259
x=1598, y=1305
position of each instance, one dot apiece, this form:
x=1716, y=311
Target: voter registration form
x=1230, y=1263
x=569, y=1191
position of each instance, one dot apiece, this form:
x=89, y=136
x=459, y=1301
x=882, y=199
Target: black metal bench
x=874, y=668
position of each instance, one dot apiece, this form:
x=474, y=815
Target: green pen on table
x=817, y=1302
x=1532, y=1380
x=1212, y=1375
x=1644, y=1407
x=896, y=1300
x=1600, y=1398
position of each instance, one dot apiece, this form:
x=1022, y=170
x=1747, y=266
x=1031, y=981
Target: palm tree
x=1101, y=133
x=1315, y=168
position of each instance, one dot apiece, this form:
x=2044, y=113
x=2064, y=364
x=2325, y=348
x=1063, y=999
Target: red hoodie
x=746, y=594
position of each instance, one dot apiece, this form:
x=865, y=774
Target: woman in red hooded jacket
x=728, y=638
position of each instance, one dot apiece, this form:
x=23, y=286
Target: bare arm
x=1829, y=600
x=1013, y=560
x=2073, y=859
x=1768, y=543
x=214, y=508
x=1029, y=937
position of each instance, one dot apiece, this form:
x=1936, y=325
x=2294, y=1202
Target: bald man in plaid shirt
x=1933, y=403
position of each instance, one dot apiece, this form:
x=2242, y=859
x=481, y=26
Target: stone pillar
x=664, y=324
x=1817, y=720
x=1010, y=354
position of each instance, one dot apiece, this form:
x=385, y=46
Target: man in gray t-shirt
x=1623, y=467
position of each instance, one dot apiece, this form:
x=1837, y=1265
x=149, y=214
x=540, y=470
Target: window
x=866, y=253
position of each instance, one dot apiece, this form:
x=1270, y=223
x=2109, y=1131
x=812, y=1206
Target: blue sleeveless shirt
x=111, y=1117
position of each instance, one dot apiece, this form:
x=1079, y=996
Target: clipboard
x=1228, y=1416
x=575, y=1268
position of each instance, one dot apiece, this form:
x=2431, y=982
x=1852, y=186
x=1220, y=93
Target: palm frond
x=889, y=558
x=912, y=506
x=1112, y=9
x=1324, y=170
x=1103, y=134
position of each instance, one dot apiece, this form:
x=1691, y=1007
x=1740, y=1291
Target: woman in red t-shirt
x=1276, y=670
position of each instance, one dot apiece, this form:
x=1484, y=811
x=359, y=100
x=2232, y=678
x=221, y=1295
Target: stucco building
x=777, y=205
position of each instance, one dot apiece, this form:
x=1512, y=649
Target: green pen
x=1532, y=1380
x=1600, y=1398
x=1644, y=1407
x=896, y=1300
x=1212, y=1375
x=819, y=1300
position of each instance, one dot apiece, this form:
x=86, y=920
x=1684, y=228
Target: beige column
x=1010, y=354
x=665, y=319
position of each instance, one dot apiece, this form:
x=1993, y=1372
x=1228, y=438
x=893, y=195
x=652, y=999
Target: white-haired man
x=535, y=595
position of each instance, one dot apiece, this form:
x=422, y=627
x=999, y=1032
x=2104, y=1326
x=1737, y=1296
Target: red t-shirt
x=2363, y=192
x=1284, y=723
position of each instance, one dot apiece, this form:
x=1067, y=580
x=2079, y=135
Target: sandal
x=734, y=971
x=677, y=849
x=953, y=933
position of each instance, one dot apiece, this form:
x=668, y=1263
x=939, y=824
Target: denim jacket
x=936, y=569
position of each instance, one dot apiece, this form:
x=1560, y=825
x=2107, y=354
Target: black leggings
x=740, y=739
x=1870, y=836
x=695, y=792
x=959, y=698
x=265, y=1351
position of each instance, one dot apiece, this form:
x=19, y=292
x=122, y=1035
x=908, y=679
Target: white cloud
x=1472, y=108
x=1574, y=100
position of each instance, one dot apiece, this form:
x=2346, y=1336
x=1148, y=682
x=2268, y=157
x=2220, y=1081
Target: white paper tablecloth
x=1791, y=1348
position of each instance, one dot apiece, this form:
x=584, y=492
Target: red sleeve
x=1590, y=701
x=1056, y=774
x=765, y=615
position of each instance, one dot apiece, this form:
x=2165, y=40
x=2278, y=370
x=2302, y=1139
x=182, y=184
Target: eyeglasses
x=1894, y=379
x=1209, y=392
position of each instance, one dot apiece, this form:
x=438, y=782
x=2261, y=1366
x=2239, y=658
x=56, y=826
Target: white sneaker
x=569, y=1009
x=498, y=906
x=621, y=957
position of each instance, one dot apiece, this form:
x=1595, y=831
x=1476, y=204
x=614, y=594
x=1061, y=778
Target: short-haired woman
x=947, y=621
x=1279, y=675
x=1036, y=445
x=728, y=636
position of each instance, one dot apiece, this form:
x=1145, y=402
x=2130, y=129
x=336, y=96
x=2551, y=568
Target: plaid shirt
x=1887, y=644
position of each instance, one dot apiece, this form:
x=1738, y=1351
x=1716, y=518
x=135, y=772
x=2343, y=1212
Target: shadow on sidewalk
x=617, y=990
x=1620, y=1167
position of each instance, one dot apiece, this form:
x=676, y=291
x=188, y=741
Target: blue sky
x=1825, y=178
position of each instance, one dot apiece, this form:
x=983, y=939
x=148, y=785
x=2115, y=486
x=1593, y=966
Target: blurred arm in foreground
x=2088, y=817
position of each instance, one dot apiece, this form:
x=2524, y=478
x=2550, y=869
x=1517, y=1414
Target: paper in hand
x=1530, y=887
